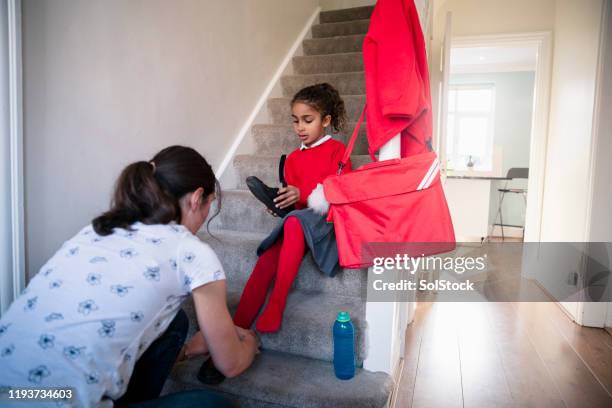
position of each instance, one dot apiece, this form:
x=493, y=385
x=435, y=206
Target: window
x=471, y=119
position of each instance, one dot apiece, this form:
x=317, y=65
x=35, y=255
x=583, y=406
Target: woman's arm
x=231, y=353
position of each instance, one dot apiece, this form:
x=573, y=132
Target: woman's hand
x=249, y=336
x=196, y=346
x=287, y=196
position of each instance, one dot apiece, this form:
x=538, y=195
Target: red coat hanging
x=397, y=78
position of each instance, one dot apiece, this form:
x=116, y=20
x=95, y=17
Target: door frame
x=542, y=41
x=596, y=314
x=12, y=281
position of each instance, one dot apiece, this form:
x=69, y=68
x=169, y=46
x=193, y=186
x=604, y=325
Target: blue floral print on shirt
x=31, y=304
x=87, y=306
x=120, y=290
x=55, y=284
x=73, y=352
x=46, y=341
x=36, y=375
x=127, y=253
x=94, y=278
x=152, y=273
x=107, y=329
x=7, y=351
x=54, y=316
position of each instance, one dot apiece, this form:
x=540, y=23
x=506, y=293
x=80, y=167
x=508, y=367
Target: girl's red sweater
x=306, y=168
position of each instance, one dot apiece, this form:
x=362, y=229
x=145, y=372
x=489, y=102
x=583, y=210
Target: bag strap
x=281, y=170
x=351, y=144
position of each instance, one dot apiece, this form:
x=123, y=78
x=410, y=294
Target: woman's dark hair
x=149, y=191
x=326, y=100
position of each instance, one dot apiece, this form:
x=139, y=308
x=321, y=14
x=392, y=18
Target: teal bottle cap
x=343, y=317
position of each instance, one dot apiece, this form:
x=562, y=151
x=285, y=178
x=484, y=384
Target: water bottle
x=344, y=347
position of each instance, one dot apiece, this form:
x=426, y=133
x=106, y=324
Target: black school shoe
x=267, y=194
x=208, y=373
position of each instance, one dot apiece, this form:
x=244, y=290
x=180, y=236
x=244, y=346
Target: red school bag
x=392, y=201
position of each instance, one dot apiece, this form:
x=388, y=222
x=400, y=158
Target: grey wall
x=513, y=114
x=108, y=82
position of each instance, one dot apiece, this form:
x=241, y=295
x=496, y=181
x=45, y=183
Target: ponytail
x=149, y=192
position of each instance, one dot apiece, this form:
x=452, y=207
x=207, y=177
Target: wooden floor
x=503, y=354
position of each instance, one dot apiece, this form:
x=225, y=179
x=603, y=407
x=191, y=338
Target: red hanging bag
x=392, y=201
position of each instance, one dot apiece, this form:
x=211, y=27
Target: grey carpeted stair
x=355, y=13
x=341, y=28
x=280, y=111
x=286, y=380
x=308, y=332
x=330, y=63
x=333, y=45
x=236, y=249
x=350, y=83
x=295, y=367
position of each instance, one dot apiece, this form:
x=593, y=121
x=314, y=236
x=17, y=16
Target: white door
x=440, y=142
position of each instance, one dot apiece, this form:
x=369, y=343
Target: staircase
x=294, y=368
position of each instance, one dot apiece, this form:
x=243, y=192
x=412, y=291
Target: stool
x=513, y=173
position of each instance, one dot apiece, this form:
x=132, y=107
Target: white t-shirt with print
x=97, y=304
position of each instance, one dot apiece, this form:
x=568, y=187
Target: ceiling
x=493, y=59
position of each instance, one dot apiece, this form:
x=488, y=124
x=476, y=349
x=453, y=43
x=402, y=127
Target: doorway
x=494, y=135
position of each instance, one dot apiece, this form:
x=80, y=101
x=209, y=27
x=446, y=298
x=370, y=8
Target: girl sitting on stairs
x=313, y=109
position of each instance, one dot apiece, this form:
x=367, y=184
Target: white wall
x=566, y=184
x=108, y=82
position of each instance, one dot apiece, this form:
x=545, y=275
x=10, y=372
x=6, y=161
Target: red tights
x=281, y=260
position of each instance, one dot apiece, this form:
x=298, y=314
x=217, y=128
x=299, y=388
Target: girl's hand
x=271, y=212
x=287, y=196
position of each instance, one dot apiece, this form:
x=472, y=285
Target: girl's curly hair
x=326, y=100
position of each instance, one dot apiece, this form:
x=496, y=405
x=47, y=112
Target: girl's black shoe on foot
x=208, y=373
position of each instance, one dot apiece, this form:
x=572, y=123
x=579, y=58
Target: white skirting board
x=509, y=232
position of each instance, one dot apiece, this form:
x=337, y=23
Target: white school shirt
x=317, y=143
x=95, y=307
